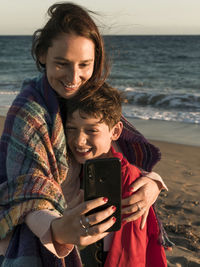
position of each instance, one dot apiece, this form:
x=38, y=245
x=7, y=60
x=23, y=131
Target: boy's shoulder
x=127, y=169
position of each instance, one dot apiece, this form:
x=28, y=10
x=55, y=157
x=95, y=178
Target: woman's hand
x=76, y=228
x=145, y=194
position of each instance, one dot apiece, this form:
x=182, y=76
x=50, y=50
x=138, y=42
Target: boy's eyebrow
x=91, y=125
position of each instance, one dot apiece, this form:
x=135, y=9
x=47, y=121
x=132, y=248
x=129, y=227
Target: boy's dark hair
x=105, y=103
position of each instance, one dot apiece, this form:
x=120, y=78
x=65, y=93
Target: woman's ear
x=42, y=59
x=117, y=130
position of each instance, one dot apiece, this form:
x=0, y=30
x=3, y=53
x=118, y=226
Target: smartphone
x=102, y=178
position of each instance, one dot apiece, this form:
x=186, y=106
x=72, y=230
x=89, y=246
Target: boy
x=92, y=124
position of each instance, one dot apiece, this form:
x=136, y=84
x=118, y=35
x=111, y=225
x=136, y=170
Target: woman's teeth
x=69, y=86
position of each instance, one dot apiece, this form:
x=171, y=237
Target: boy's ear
x=116, y=131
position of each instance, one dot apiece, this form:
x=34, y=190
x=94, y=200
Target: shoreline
x=169, y=131
x=179, y=207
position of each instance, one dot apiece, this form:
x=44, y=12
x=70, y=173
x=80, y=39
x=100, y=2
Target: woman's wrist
x=156, y=178
x=56, y=231
x=60, y=246
x=158, y=183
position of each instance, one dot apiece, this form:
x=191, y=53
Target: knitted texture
x=33, y=160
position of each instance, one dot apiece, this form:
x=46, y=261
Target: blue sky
x=116, y=17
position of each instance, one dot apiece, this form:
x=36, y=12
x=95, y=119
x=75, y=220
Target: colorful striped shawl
x=33, y=159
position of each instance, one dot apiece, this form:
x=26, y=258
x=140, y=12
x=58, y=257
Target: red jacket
x=131, y=246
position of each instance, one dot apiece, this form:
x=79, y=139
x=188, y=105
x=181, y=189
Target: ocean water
x=159, y=75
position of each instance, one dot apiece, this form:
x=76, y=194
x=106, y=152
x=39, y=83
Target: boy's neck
x=107, y=155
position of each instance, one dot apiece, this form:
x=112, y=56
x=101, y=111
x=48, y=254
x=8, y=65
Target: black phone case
x=102, y=178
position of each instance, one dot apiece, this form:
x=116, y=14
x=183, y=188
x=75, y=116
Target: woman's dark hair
x=71, y=18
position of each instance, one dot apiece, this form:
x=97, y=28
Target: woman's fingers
x=137, y=207
x=144, y=218
x=89, y=205
x=133, y=199
x=101, y=228
x=135, y=211
x=100, y=215
x=96, y=232
x=81, y=229
x=145, y=196
x=137, y=215
x=145, y=189
x=137, y=184
x=133, y=216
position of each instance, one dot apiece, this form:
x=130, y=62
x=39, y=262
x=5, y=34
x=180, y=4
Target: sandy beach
x=179, y=208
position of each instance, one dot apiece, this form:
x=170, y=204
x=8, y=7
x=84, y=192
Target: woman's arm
x=156, y=177
x=145, y=194
x=43, y=231
x=146, y=190
x=59, y=233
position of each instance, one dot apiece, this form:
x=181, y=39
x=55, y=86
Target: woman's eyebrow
x=61, y=58
x=67, y=60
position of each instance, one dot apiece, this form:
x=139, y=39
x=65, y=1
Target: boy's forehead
x=78, y=114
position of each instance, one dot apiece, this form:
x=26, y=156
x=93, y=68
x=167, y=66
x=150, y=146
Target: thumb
x=77, y=200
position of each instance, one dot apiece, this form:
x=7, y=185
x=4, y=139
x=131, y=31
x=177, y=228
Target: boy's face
x=88, y=138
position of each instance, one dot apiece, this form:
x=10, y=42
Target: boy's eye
x=69, y=128
x=92, y=130
x=83, y=65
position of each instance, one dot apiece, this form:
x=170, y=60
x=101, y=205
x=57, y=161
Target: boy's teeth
x=83, y=150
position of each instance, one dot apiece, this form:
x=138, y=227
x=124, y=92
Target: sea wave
x=149, y=113
x=9, y=92
x=170, y=100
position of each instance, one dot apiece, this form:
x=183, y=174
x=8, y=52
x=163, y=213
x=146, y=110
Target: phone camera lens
x=102, y=179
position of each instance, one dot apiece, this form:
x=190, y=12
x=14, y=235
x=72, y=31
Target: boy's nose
x=81, y=139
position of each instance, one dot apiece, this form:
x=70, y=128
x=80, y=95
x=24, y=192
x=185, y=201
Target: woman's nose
x=73, y=75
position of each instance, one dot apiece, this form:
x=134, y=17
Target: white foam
x=150, y=113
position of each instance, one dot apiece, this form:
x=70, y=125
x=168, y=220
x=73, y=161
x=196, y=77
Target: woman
x=37, y=176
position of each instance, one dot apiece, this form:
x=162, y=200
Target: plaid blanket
x=33, y=164
x=33, y=161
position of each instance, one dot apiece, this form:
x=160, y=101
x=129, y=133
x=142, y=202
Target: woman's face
x=69, y=63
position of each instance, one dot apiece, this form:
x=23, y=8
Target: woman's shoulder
x=29, y=105
x=31, y=95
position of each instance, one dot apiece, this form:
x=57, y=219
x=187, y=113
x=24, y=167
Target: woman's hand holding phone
x=74, y=227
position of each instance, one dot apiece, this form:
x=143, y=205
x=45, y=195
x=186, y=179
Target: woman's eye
x=61, y=64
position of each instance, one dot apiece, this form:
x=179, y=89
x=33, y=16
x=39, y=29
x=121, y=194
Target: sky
x=23, y=17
